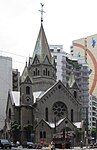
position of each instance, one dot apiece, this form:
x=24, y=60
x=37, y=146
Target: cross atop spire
x=42, y=12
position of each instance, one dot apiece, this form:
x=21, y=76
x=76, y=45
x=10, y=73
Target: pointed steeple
x=25, y=74
x=41, y=48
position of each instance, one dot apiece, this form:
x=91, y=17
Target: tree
x=28, y=129
x=15, y=130
x=93, y=133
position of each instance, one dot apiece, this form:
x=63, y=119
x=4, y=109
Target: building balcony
x=63, y=75
x=63, y=61
x=78, y=77
x=63, y=67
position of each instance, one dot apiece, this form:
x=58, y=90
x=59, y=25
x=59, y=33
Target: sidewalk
x=75, y=148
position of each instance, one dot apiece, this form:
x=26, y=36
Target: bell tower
x=26, y=101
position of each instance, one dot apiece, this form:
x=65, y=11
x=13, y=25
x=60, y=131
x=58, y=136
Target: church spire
x=42, y=48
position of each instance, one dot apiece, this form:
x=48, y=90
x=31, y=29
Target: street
x=47, y=148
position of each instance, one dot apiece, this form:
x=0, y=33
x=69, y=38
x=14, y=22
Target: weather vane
x=42, y=12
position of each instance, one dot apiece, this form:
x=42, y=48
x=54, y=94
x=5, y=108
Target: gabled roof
x=52, y=124
x=16, y=97
x=37, y=95
x=58, y=83
x=79, y=124
x=41, y=48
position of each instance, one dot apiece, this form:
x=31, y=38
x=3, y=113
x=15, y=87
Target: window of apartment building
x=85, y=67
x=52, y=50
x=55, y=56
x=58, y=50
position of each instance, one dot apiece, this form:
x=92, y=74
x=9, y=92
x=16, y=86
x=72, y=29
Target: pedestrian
x=81, y=144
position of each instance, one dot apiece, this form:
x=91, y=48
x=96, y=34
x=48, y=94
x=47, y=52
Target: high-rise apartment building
x=80, y=70
x=5, y=85
x=87, y=48
x=59, y=54
x=92, y=117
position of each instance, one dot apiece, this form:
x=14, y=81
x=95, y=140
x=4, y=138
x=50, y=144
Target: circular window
x=59, y=109
x=27, y=100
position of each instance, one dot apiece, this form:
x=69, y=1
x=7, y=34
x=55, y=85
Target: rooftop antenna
x=42, y=12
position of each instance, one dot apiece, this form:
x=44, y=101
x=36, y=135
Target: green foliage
x=15, y=126
x=28, y=126
x=93, y=132
x=15, y=131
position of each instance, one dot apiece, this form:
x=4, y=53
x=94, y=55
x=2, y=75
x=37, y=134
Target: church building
x=43, y=106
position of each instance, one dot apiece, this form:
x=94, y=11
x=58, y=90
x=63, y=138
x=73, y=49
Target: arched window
x=40, y=134
x=27, y=90
x=71, y=115
x=46, y=114
x=44, y=134
x=34, y=73
x=44, y=72
x=9, y=113
x=38, y=73
x=48, y=73
x=75, y=94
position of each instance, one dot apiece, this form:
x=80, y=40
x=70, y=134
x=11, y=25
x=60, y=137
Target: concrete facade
x=5, y=84
x=87, y=47
x=92, y=117
x=58, y=53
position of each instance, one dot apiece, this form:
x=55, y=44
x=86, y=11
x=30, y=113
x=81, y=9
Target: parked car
x=39, y=146
x=95, y=145
x=14, y=144
x=27, y=144
x=4, y=143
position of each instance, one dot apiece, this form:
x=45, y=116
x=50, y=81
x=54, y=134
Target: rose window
x=59, y=109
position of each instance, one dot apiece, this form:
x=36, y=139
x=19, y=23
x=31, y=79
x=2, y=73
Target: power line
x=13, y=54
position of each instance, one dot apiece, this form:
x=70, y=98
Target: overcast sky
x=64, y=21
